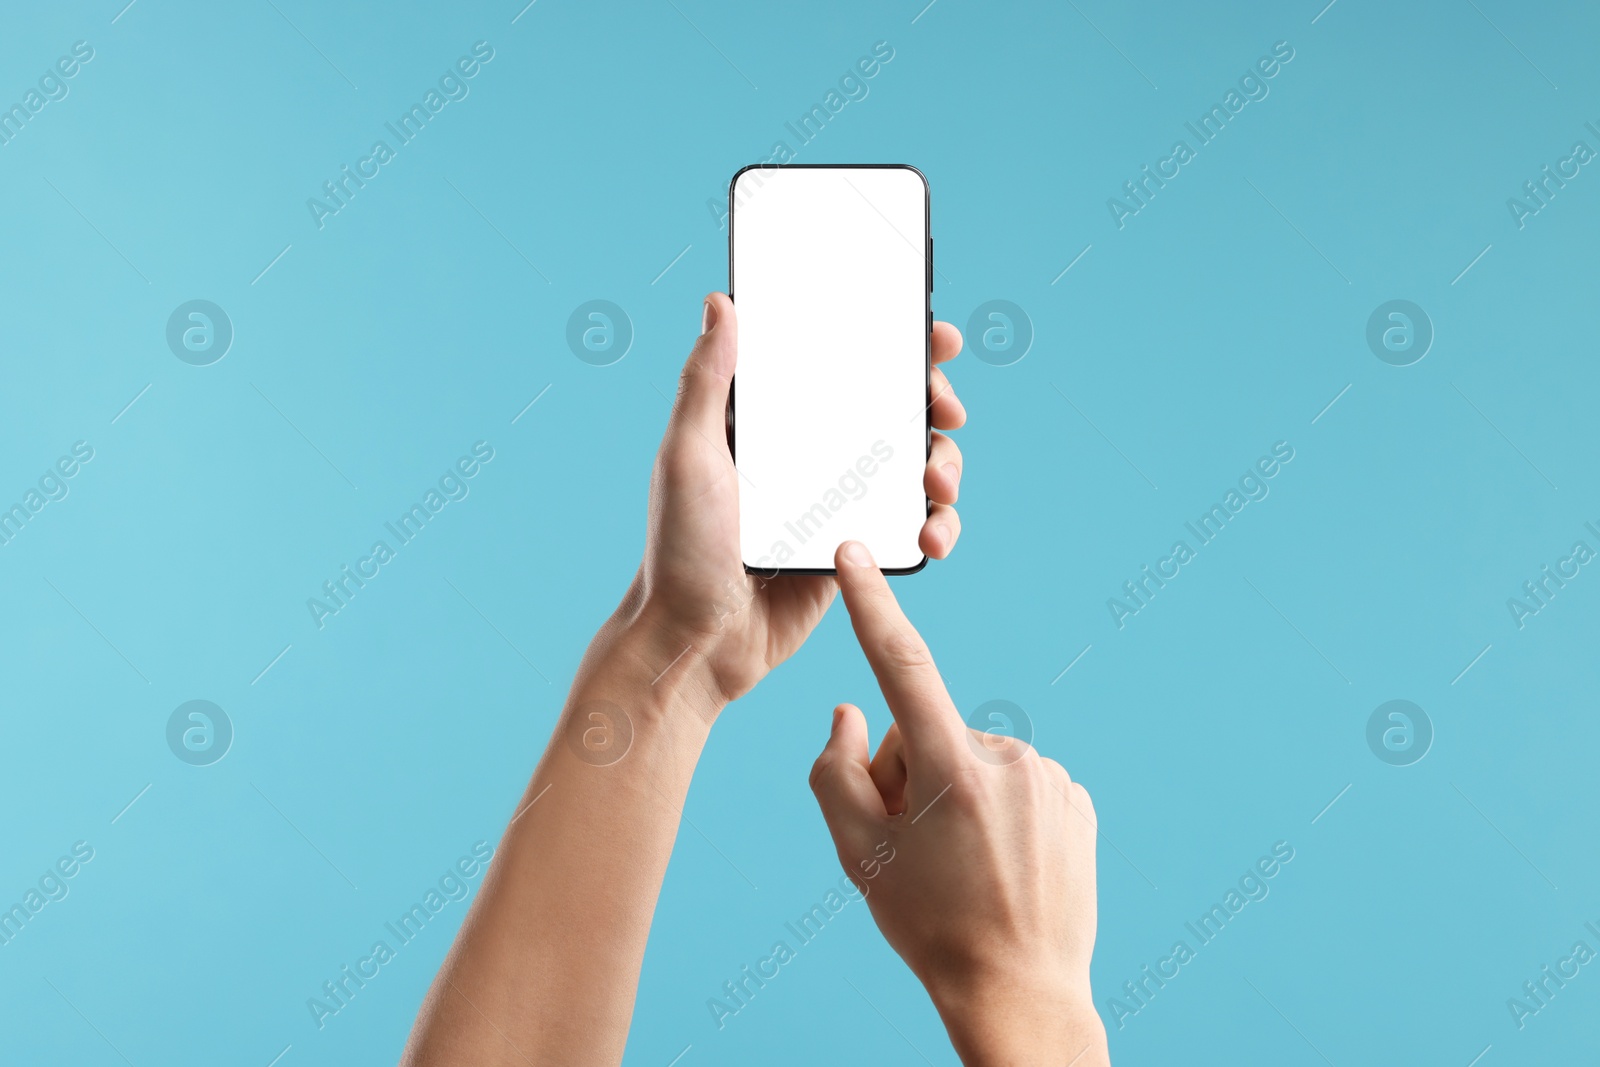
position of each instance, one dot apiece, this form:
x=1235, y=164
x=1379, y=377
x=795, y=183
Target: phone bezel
x=927, y=341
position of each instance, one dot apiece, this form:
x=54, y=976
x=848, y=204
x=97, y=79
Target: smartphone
x=831, y=270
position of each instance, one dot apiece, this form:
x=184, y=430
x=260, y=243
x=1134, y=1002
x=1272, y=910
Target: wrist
x=1021, y=1021
x=659, y=673
x=702, y=637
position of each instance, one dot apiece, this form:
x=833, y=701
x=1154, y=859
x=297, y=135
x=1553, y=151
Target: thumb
x=708, y=373
x=842, y=781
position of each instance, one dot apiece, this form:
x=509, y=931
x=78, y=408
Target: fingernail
x=708, y=317
x=951, y=472
x=944, y=534
x=857, y=553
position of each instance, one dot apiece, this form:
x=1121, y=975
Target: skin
x=546, y=965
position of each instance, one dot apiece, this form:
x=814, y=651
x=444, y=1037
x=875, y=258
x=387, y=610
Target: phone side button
x=930, y=264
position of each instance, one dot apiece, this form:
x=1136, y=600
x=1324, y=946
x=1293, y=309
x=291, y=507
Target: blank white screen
x=829, y=277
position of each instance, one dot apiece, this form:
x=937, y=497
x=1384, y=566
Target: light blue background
x=409, y=328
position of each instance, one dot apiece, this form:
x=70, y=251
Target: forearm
x=546, y=965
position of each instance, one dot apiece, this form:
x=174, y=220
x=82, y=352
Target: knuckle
x=1084, y=803
x=1026, y=758
x=819, y=772
x=968, y=785
x=693, y=370
x=905, y=652
x=1004, y=749
x=698, y=370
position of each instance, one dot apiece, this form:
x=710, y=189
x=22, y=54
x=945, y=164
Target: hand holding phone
x=722, y=621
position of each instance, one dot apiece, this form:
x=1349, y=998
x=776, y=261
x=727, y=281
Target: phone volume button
x=930, y=264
